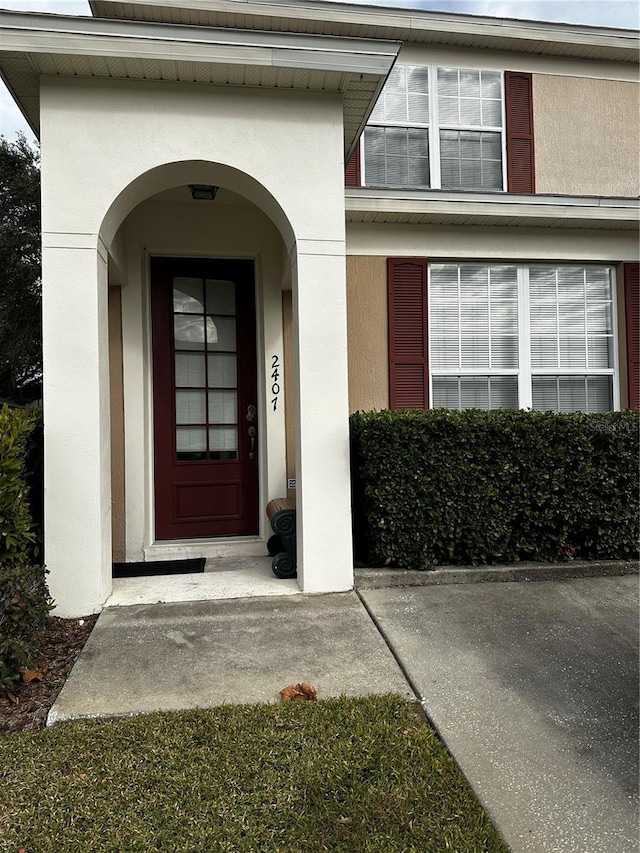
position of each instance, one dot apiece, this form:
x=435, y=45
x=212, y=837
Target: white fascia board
x=366, y=200
x=405, y=19
x=33, y=33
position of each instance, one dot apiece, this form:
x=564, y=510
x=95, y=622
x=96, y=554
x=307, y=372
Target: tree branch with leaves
x=20, y=271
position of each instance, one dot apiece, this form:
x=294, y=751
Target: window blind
x=502, y=335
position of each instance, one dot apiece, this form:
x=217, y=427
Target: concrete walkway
x=204, y=653
x=533, y=686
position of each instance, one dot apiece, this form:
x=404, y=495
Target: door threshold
x=232, y=546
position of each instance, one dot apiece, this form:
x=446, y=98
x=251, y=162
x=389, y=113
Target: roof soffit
x=36, y=44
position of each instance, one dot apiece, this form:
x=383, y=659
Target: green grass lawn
x=341, y=775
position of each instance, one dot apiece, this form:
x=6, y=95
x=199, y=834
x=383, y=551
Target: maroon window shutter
x=632, y=310
x=408, y=349
x=352, y=176
x=520, y=154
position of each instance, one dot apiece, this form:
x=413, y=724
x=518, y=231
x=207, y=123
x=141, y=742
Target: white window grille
x=452, y=140
x=518, y=336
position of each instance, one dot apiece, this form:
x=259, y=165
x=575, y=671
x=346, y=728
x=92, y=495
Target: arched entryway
x=196, y=289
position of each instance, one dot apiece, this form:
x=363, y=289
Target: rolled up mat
x=283, y=522
x=284, y=566
x=274, y=545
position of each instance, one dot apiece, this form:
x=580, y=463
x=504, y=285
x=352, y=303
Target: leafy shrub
x=24, y=598
x=448, y=487
x=34, y=476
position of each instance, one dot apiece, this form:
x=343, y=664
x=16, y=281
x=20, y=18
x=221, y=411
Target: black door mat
x=158, y=567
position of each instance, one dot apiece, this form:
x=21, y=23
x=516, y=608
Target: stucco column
x=76, y=417
x=323, y=493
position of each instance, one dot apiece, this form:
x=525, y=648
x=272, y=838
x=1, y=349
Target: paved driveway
x=534, y=688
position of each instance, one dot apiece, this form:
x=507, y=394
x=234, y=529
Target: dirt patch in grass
x=25, y=707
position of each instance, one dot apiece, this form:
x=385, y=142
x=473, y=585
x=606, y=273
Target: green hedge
x=447, y=487
x=24, y=598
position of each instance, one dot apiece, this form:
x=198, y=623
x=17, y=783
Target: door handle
x=252, y=436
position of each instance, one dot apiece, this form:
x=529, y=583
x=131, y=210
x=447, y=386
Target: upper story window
x=441, y=128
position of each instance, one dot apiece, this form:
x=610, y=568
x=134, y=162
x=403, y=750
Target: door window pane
x=190, y=369
x=222, y=370
x=188, y=331
x=222, y=407
x=188, y=295
x=191, y=443
x=221, y=333
x=191, y=407
x=223, y=442
x=221, y=297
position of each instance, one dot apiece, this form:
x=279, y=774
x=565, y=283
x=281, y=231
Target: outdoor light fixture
x=203, y=192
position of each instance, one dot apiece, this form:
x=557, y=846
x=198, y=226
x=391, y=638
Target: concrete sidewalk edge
x=385, y=578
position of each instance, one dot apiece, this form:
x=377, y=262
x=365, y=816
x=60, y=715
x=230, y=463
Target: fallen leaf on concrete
x=303, y=692
x=29, y=675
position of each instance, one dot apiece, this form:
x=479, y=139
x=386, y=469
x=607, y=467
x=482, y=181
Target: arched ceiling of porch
x=183, y=173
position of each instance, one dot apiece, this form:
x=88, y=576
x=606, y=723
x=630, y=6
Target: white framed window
x=396, y=140
x=437, y=127
x=522, y=336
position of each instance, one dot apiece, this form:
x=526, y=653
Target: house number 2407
x=275, y=381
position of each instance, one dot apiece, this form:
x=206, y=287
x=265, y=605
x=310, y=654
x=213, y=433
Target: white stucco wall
x=98, y=136
x=101, y=142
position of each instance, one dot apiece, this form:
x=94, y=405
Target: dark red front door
x=204, y=394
